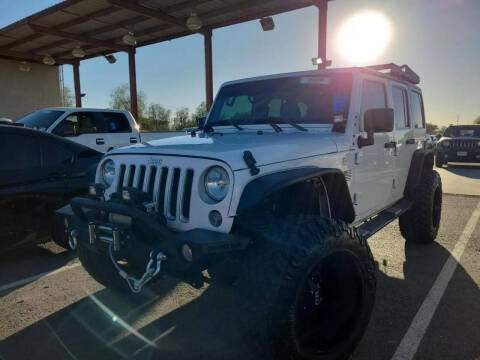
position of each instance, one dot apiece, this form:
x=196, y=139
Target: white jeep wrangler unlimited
x=276, y=192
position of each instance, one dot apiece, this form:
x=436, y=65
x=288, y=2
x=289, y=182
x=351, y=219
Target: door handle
x=391, y=145
x=410, y=141
x=133, y=140
x=100, y=141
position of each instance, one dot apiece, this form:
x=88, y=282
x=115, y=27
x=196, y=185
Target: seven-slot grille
x=464, y=144
x=170, y=188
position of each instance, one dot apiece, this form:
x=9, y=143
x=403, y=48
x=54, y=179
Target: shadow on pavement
x=205, y=328
x=471, y=170
x=30, y=261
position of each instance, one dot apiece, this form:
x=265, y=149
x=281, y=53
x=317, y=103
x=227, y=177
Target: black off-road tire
x=438, y=162
x=227, y=270
x=315, y=276
x=60, y=236
x=421, y=222
x=100, y=267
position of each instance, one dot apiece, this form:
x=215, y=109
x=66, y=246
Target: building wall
x=22, y=92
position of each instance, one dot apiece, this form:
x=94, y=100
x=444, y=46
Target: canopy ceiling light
x=24, y=66
x=48, y=60
x=267, y=23
x=129, y=39
x=111, y=58
x=78, y=52
x=194, y=23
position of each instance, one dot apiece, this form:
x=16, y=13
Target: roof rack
x=403, y=72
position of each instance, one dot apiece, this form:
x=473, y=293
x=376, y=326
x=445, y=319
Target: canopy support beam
x=76, y=83
x=207, y=35
x=133, y=84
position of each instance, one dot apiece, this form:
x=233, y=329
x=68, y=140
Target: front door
x=374, y=167
x=20, y=179
x=84, y=128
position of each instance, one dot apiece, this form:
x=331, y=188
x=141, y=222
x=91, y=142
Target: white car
x=99, y=129
x=278, y=192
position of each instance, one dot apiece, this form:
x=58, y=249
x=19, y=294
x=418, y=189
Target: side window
x=374, y=96
x=418, y=119
x=55, y=154
x=400, y=107
x=19, y=157
x=115, y=122
x=67, y=127
x=81, y=123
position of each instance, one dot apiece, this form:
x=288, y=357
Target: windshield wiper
x=227, y=122
x=291, y=123
x=275, y=126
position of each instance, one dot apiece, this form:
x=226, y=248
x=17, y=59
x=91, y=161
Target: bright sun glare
x=364, y=36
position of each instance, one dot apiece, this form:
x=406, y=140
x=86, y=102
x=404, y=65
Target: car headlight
x=217, y=183
x=108, y=172
x=446, y=143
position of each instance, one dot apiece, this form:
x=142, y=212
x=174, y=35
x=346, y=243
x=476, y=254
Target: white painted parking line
x=30, y=279
x=410, y=342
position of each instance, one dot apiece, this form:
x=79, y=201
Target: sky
x=438, y=39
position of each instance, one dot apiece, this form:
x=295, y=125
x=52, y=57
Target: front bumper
x=139, y=233
x=458, y=155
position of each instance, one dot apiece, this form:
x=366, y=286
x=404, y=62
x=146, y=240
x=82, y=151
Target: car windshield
x=41, y=119
x=300, y=99
x=462, y=131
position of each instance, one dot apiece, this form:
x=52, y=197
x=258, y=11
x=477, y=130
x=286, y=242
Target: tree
x=431, y=128
x=200, y=111
x=67, y=97
x=120, y=99
x=181, y=118
x=160, y=116
x=477, y=120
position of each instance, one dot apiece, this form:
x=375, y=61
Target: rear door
x=404, y=138
x=119, y=130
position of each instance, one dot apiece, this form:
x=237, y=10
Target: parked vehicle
x=279, y=190
x=459, y=143
x=99, y=129
x=38, y=174
x=430, y=141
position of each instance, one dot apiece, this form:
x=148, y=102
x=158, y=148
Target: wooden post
x=322, y=6
x=76, y=83
x=208, y=67
x=133, y=84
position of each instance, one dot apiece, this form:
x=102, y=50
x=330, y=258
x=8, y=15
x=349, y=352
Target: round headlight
x=217, y=183
x=446, y=143
x=108, y=172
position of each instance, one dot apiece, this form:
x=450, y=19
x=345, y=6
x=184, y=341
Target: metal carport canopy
x=98, y=26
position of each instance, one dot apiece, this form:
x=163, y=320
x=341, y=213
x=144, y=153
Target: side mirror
x=376, y=121
x=201, y=122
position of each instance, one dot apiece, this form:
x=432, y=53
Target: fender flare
x=266, y=185
x=422, y=159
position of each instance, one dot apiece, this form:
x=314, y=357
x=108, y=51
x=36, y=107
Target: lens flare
x=364, y=37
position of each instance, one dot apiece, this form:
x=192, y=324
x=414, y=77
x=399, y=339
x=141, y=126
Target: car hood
x=270, y=147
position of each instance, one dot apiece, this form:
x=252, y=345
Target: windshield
x=301, y=100
x=462, y=131
x=41, y=119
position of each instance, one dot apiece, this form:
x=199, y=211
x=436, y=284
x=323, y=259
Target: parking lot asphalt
x=50, y=308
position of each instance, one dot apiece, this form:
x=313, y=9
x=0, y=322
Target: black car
x=459, y=143
x=39, y=173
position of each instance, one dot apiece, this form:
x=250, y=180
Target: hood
x=270, y=147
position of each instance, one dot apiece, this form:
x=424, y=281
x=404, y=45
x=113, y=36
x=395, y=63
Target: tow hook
x=152, y=269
